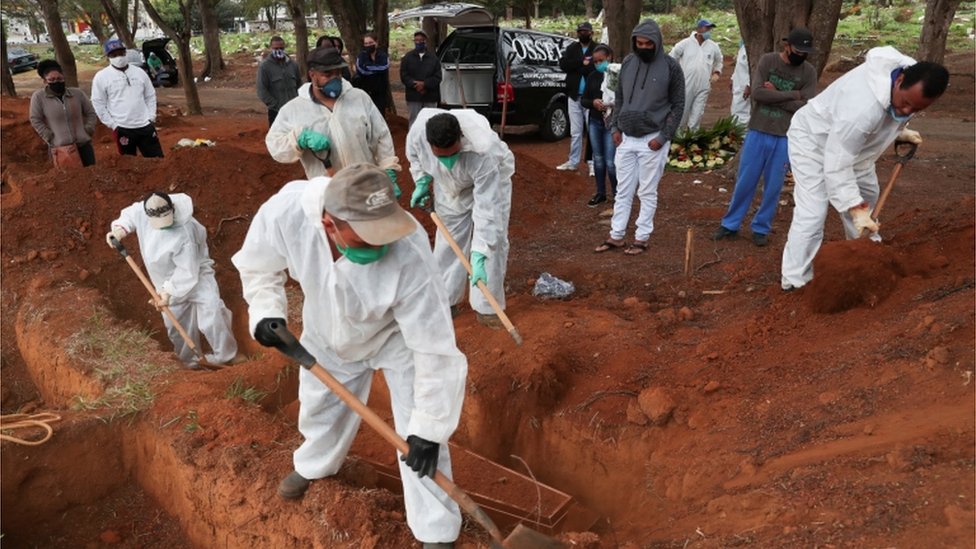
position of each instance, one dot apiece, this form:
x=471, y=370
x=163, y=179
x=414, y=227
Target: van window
x=470, y=46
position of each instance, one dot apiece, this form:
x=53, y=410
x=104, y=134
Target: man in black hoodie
x=576, y=62
x=649, y=101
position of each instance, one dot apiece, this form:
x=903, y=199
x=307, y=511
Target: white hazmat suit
x=473, y=199
x=834, y=142
x=356, y=130
x=391, y=314
x=741, y=106
x=178, y=262
x=698, y=62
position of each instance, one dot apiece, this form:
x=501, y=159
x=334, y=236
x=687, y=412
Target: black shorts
x=143, y=139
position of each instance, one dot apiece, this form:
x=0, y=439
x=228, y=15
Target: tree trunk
x=588, y=6
x=117, y=15
x=381, y=27
x=35, y=26
x=213, y=59
x=271, y=16
x=436, y=33
x=62, y=49
x=350, y=17
x=135, y=20
x=7, y=83
x=319, y=17
x=621, y=16
x=297, y=10
x=764, y=24
x=181, y=37
x=94, y=21
x=935, y=29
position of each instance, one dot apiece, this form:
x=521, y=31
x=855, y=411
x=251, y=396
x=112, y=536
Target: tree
x=62, y=50
x=181, y=37
x=117, y=14
x=296, y=8
x=621, y=16
x=935, y=29
x=213, y=58
x=351, y=17
x=764, y=23
x=25, y=9
x=91, y=12
x=6, y=80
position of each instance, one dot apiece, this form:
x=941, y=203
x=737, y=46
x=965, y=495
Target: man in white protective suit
x=701, y=63
x=374, y=299
x=835, y=140
x=174, y=249
x=740, y=86
x=331, y=124
x=471, y=171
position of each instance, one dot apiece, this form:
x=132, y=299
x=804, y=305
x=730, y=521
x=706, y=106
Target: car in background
x=169, y=74
x=20, y=60
x=87, y=39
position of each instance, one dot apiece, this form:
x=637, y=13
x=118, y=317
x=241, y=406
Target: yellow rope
x=11, y=422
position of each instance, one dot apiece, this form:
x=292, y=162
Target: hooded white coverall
x=698, y=62
x=741, y=107
x=391, y=314
x=356, y=130
x=178, y=262
x=473, y=199
x=834, y=142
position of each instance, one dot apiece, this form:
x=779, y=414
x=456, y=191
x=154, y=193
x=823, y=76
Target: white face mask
x=119, y=62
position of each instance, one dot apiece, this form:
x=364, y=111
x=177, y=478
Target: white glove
x=909, y=136
x=118, y=233
x=861, y=216
x=163, y=301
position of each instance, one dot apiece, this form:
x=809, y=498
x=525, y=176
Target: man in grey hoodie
x=650, y=98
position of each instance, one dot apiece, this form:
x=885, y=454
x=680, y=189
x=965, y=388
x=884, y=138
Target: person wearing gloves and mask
x=784, y=82
x=278, y=78
x=331, y=124
x=470, y=169
x=420, y=72
x=835, y=140
x=174, y=249
x=648, y=102
x=701, y=63
x=373, y=300
x=62, y=115
x=125, y=101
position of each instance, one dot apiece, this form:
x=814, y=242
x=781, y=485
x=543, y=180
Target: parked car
x=474, y=58
x=169, y=74
x=20, y=60
x=87, y=38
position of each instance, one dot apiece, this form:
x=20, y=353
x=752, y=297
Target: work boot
x=722, y=232
x=596, y=200
x=447, y=545
x=760, y=239
x=491, y=321
x=293, y=486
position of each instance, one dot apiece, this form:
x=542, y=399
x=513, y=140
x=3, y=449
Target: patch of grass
x=249, y=393
x=193, y=422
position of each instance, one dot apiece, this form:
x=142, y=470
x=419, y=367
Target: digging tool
x=901, y=159
x=481, y=285
x=521, y=537
x=457, y=71
x=508, y=86
x=166, y=310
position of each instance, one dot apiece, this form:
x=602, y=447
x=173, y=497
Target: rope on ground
x=12, y=422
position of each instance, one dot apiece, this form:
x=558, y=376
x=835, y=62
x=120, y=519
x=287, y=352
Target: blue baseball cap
x=113, y=45
x=705, y=23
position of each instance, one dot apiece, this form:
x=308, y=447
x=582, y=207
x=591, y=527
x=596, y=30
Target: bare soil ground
x=712, y=410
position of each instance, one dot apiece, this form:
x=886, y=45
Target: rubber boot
x=293, y=486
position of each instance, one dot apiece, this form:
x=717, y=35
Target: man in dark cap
x=701, y=63
x=576, y=62
x=420, y=72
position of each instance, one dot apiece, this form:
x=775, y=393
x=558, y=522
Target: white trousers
x=639, y=171
x=810, y=213
x=329, y=427
x=577, y=125
x=461, y=227
x=741, y=107
x=694, y=107
x=202, y=310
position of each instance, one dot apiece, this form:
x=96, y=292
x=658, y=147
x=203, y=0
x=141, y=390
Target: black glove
x=265, y=336
x=422, y=456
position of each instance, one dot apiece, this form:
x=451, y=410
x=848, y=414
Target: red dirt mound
x=850, y=274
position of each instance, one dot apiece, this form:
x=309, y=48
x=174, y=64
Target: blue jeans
x=601, y=142
x=765, y=155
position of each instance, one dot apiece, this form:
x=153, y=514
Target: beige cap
x=159, y=208
x=362, y=195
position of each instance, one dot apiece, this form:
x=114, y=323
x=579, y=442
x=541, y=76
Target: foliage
x=249, y=394
x=706, y=148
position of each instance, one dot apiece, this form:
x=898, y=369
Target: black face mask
x=585, y=38
x=57, y=87
x=645, y=54
x=796, y=59
x=370, y=49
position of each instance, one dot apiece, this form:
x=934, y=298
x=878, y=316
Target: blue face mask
x=707, y=35
x=420, y=46
x=602, y=66
x=449, y=161
x=332, y=88
x=897, y=117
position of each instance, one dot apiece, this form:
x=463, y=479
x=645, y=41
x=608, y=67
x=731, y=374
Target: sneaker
x=722, y=232
x=759, y=239
x=592, y=171
x=596, y=200
x=566, y=167
x=293, y=486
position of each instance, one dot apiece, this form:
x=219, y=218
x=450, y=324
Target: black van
x=474, y=58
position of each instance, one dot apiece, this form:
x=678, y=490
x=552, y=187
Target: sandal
x=637, y=247
x=609, y=245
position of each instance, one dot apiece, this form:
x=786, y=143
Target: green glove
x=478, y=268
x=421, y=192
x=312, y=140
x=391, y=173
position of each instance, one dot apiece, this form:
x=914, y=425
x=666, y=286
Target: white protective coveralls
x=834, y=142
x=473, y=199
x=741, y=107
x=178, y=262
x=391, y=314
x=356, y=130
x=698, y=62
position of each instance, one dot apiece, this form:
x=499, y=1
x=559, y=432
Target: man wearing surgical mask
x=456, y=155
x=278, y=78
x=420, y=72
x=125, y=101
x=331, y=124
x=835, y=140
x=62, y=115
x=701, y=63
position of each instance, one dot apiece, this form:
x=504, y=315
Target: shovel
x=520, y=538
x=901, y=159
x=166, y=310
x=481, y=285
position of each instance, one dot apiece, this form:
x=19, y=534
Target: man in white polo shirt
x=125, y=101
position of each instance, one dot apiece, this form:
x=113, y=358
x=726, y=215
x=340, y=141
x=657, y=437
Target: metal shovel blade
x=523, y=537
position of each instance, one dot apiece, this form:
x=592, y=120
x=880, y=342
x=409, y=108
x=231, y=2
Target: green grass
x=249, y=393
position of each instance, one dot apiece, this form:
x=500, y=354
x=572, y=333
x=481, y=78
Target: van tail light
x=504, y=93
